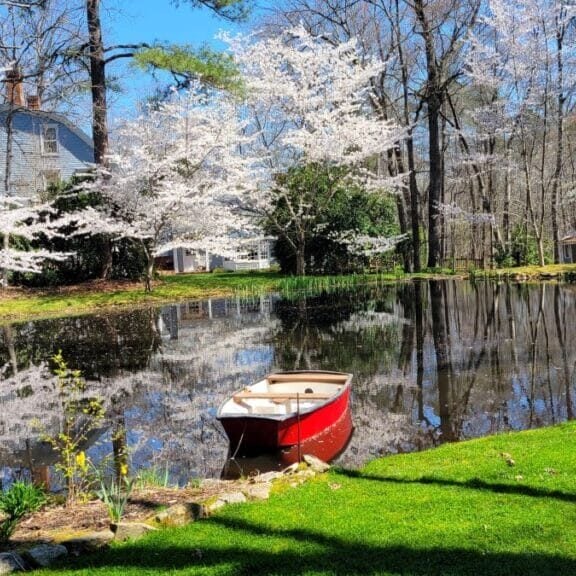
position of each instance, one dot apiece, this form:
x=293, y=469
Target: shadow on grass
x=291, y=552
x=473, y=484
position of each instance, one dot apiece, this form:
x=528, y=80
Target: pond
x=433, y=362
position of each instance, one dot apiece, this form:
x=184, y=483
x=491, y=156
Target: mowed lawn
x=504, y=505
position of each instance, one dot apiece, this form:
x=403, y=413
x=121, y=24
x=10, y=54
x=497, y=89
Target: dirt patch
x=92, y=516
x=91, y=287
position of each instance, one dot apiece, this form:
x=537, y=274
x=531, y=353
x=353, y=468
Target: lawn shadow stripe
x=337, y=556
x=472, y=484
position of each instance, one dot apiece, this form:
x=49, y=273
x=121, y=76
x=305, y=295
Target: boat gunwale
x=283, y=417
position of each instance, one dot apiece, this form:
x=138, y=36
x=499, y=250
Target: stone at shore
x=180, y=514
x=316, y=464
x=44, y=555
x=87, y=542
x=292, y=469
x=131, y=530
x=266, y=477
x=225, y=499
x=260, y=491
x=11, y=562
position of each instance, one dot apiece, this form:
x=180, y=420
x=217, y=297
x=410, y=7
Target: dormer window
x=50, y=139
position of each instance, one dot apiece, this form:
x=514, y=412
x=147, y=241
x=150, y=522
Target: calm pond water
x=432, y=361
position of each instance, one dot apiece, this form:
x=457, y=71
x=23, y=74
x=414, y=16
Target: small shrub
x=115, y=494
x=19, y=500
x=154, y=477
x=82, y=414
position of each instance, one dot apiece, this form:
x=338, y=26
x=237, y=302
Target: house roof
x=569, y=239
x=52, y=116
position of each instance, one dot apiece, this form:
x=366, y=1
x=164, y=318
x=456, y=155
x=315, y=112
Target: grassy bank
x=496, y=506
x=20, y=305
x=550, y=271
x=27, y=304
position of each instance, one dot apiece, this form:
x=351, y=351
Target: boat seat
x=307, y=376
x=281, y=396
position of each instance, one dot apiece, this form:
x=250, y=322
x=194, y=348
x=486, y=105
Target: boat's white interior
x=282, y=394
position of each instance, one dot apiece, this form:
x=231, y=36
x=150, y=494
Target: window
x=50, y=140
x=50, y=177
x=252, y=254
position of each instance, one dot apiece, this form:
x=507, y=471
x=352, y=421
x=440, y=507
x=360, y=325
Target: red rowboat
x=285, y=409
x=326, y=446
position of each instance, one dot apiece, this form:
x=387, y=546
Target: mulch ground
x=92, y=516
x=93, y=286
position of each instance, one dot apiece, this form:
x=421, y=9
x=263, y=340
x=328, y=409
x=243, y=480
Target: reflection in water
x=327, y=446
x=432, y=362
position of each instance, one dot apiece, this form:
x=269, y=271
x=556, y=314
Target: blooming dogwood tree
x=307, y=104
x=19, y=219
x=176, y=175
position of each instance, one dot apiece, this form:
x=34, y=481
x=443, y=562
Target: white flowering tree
x=22, y=223
x=307, y=104
x=176, y=175
x=521, y=62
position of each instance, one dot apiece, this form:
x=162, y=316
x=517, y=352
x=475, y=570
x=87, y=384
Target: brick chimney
x=33, y=102
x=14, y=87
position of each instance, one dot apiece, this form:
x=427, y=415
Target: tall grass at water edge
x=293, y=286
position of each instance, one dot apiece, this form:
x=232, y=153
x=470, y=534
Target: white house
x=568, y=249
x=250, y=254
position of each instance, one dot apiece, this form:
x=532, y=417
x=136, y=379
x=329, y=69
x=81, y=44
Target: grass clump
x=21, y=499
x=496, y=506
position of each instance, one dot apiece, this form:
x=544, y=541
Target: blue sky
x=159, y=20
x=134, y=21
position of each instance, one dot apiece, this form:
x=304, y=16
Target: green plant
x=82, y=414
x=154, y=477
x=115, y=494
x=19, y=500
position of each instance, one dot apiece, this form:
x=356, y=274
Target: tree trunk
x=506, y=224
x=7, y=177
x=301, y=259
x=99, y=105
x=414, y=203
x=149, y=275
x=98, y=82
x=435, y=184
x=559, y=145
x=396, y=167
x=433, y=100
x=412, y=182
x=120, y=447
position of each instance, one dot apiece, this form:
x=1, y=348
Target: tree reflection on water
x=432, y=362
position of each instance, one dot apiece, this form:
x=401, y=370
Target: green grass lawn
x=171, y=288
x=462, y=509
x=168, y=288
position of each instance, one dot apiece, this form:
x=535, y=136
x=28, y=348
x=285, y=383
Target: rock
x=223, y=499
x=232, y=498
x=44, y=555
x=11, y=562
x=180, y=514
x=266, y=477
x=316, y=464
x=211, y=483
x=88, y=542
x=214, y=506
x=259, y=491
x=131, y=530
x=292, y=469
